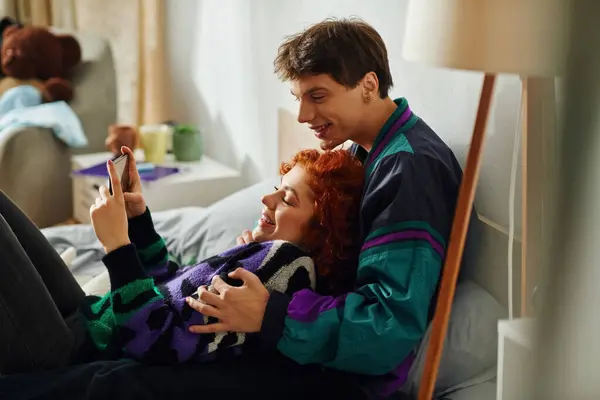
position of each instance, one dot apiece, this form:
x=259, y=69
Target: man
x=339, y=73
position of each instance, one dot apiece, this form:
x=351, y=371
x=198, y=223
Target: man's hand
x=108, y=214
x=245, y=238
x=239, y=309
x=134, y=200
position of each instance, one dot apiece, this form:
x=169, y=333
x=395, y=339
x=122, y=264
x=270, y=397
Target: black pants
x=269, y=378
x=40, y=338
x=38, y=298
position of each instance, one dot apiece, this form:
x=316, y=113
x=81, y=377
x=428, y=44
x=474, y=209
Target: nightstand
x=515, y=357
x=198, y=184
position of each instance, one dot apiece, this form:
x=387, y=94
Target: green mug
x=187, y=143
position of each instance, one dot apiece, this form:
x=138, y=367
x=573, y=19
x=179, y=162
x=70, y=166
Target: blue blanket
x=22, y=106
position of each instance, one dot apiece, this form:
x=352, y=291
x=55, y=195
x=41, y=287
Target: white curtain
x=56, y=13
x=64, y=14
x=152, y=86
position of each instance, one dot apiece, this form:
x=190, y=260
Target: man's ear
x=370, y=84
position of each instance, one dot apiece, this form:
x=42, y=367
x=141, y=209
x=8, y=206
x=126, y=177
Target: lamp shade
x=524, y=37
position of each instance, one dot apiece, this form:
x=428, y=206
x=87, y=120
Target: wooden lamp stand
x=539, y=144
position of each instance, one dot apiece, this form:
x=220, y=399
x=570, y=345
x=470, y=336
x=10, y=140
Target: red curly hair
x=336, y=179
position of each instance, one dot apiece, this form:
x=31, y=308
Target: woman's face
x=287, y=210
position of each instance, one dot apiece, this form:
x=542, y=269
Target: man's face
x=333, y=111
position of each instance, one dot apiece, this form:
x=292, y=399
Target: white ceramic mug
x=154, y=142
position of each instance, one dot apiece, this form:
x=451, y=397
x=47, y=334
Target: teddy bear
x=35, y=56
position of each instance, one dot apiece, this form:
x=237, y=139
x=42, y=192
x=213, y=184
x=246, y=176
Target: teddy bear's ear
x=6, y=22
x=71, y=50
x=10, y=30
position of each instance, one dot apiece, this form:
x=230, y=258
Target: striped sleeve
x=152, y=251
x=374, y=329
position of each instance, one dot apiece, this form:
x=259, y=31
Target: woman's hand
x=245, y=238
x=134, y=200
x=108, y=215
x=239, y=309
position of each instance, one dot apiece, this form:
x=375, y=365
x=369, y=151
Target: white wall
x=221, y=54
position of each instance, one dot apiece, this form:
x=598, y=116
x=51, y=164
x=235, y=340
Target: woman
x=47, y=322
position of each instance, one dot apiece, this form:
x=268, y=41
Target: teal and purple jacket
x=407, y=208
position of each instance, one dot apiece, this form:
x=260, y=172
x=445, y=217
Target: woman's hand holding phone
x=134, y=200
x=108, y=214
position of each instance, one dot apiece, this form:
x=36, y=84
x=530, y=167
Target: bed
x=468, y=367
x=194, y=233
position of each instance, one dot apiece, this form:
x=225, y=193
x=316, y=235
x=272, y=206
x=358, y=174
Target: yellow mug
x=153, y=139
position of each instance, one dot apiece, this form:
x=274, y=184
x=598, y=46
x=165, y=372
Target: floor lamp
x=522, y=37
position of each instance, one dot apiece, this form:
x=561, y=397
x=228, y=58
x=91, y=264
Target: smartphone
x=122, y=167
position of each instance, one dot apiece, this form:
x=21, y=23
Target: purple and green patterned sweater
x=145, y=315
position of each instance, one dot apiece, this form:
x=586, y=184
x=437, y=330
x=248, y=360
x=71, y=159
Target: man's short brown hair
x=346, y=49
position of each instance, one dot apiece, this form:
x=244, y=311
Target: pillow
x=471, y=346
x=215, y=229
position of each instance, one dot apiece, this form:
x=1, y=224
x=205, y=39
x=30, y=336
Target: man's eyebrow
x=309, y=91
